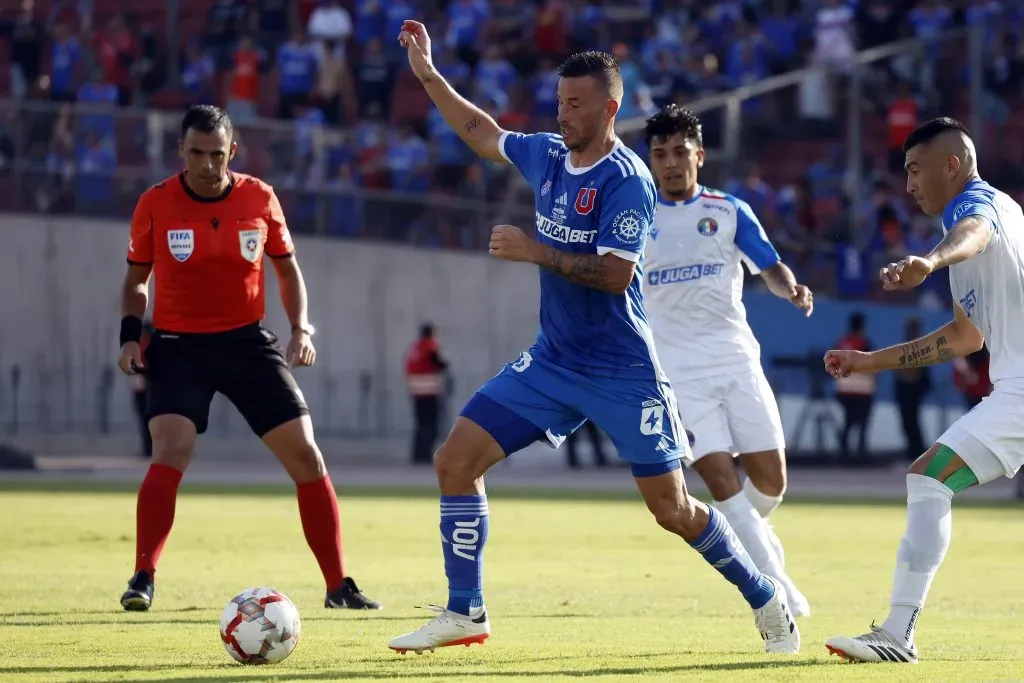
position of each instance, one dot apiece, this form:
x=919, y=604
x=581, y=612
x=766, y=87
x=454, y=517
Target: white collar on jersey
x=583, y=169
x=685, y=202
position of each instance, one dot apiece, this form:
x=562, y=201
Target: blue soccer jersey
x=594, y=355
x=606, y=208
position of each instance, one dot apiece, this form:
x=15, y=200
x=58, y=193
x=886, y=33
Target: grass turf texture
x=577, y=586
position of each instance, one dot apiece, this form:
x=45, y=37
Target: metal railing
x=862, y=90
x=95, y=161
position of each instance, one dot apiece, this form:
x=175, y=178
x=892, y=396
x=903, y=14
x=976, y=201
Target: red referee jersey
x=207, y=253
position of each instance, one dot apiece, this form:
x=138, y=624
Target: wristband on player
x=305, y=329
x=131, y=329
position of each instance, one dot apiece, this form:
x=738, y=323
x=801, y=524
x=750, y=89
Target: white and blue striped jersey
x=606, y=208
x=694, y=283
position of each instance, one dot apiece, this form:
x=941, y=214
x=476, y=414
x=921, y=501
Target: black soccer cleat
x=139, y=595
x=349, y=597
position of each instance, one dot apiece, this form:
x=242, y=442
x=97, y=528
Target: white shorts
x=730, y=413
x=990, y=437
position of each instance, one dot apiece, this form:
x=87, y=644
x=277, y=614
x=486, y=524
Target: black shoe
x=139, y=595
x=349, y=597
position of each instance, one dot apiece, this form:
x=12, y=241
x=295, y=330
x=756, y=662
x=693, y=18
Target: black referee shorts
x=247, y=365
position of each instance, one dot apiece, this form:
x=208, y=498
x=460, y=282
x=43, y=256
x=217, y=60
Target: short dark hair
x=600, y=65
x=206, y=118
x=929, y=130
x=671, y=120
x=426, y=330
x=856, y=322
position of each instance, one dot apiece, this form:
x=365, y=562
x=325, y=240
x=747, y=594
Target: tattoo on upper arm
x=953, y=240
x=960, y=235
x=473, y=124
x=589, y=270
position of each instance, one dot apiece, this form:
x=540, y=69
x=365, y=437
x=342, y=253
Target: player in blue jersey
x=594, y=355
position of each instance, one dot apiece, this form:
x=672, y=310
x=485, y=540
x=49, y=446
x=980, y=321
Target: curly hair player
x=984, y=250
x=694, y=290
x=594, y=356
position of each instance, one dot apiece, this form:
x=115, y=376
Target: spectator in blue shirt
x=396, y=12
x=370, y=21
x=451, y=156
x=197, y=74
x=94, y=183
x=100, y=94
x=544, y=90
x=296, y=67
x=408, y=160
x=466, y=19
x=494, y=72
x=65, y=58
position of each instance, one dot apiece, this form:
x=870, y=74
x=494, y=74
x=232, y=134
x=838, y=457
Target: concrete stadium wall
x=60, y=283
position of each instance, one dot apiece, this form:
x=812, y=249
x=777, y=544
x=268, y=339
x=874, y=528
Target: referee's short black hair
x=206, y=118
x=672, y=120
x=929, y=130
x=600, y=65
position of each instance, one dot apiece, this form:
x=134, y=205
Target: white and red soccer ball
x=260, y=626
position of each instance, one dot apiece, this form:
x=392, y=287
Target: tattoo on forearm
x=582, y=269
x=473, y=124
x=917, y=354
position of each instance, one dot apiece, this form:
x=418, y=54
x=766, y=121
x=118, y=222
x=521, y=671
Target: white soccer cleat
x=798, y=604
x=446, y=629
x=877, y=646
x=776, y=624
x=776, y=544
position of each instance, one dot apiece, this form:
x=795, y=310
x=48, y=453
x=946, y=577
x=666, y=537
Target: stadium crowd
x=357, y=134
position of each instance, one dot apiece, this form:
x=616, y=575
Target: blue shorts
x=534, y=400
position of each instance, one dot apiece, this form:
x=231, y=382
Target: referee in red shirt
x=201, y=235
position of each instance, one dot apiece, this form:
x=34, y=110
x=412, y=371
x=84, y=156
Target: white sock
x=752, y=532
x=763, y=503
x=922, y=548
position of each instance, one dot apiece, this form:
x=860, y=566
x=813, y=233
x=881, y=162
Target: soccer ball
x=260, y=626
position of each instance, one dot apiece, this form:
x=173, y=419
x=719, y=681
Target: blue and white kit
x=594, y=355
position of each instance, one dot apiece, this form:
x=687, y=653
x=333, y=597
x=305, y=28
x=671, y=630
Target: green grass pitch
x=577, y=587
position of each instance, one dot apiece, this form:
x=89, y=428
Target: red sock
x=321, y=522
x=154, y=515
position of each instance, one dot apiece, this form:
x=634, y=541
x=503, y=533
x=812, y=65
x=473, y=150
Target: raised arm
x=476, y=128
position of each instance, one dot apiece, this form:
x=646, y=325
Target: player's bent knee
x=921, y=464
x=174, y=440
x=294, y=445
x=766, y=471
x=718, y=472
x=665, y=495
x=943, y=464
x=771, y=484
x=465, y=455
x=678, y=517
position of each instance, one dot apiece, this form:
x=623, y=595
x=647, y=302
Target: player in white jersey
x=694, y=289
x=983, y=248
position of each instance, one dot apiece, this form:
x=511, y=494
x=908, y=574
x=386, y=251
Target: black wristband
x=131, y=329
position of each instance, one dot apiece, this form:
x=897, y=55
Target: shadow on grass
x=215, y=674
x=44, y=620
x=496, y=492
x=97, y=612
